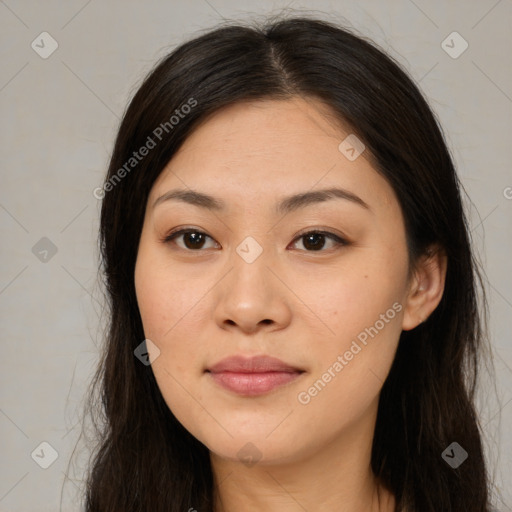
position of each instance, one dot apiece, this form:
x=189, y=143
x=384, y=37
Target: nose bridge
x=250, y=279
x=250, y=250
x=251, y=294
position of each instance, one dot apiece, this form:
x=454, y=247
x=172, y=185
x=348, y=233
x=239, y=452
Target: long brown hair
x=145, y=460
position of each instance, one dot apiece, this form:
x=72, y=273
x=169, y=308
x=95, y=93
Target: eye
x=192, y=238
x=315, y=240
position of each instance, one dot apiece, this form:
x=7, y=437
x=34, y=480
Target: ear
x=426, y=287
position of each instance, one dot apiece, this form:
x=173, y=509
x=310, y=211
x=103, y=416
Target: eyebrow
x=286, y=205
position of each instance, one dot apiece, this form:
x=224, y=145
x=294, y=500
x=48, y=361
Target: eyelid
x=339, y=239
x=323, y=231
x=182, y=231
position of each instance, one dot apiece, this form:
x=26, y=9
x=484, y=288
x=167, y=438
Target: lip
x=254, y=375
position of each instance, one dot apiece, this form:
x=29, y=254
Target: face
x=317, y=283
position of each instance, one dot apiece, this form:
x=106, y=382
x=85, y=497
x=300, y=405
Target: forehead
x=268, y=149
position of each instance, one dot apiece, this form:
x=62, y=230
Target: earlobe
x=426, y=287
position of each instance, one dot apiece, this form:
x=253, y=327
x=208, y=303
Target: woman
x=293, y=298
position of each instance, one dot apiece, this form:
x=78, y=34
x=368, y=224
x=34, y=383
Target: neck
x=336, y=477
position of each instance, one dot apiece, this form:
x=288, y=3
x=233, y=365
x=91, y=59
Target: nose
x=251, y=298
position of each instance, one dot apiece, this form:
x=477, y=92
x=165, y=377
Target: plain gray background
x=59, y=116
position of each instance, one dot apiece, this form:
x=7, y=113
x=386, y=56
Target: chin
x=256, y=451
x=250, y=445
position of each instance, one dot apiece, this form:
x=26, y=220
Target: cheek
x=167, y=299
x=173, y=309
x=170, y=307
x=345, y=302
x=350, y=367
x=361, y=306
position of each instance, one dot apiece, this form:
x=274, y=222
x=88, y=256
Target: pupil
x=196, y=239
x=317, y=241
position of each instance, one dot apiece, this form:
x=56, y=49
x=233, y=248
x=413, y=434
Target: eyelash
x=339, y=240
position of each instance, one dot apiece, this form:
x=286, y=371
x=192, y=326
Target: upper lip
x=255, y=364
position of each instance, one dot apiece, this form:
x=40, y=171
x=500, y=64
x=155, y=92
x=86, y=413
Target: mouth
x=252, y=376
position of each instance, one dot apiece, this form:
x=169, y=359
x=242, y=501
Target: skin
x=301, y=305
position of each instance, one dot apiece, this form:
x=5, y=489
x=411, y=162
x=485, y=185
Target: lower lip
x=252, y=384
